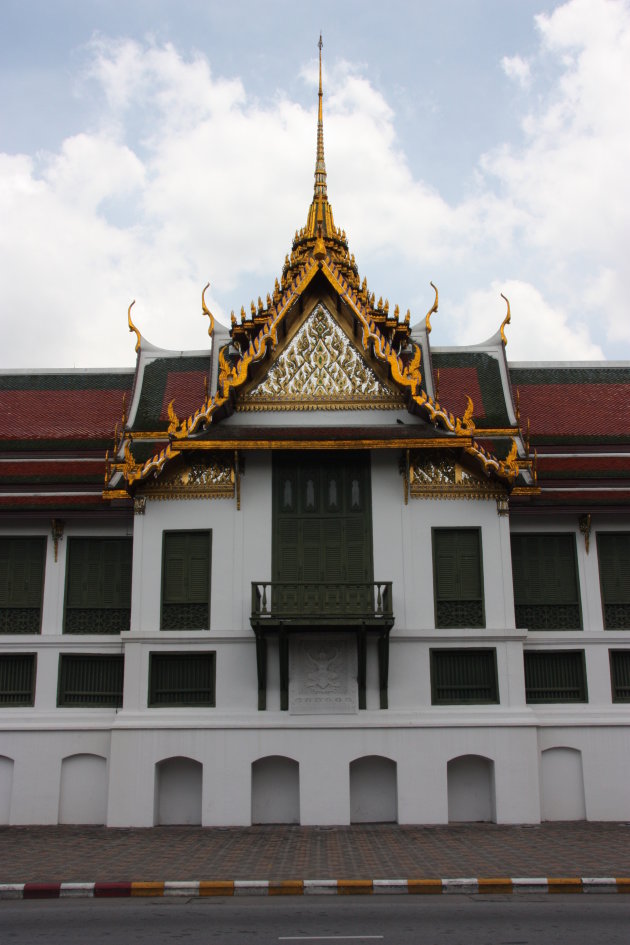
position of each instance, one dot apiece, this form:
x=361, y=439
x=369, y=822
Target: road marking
x=328, y=938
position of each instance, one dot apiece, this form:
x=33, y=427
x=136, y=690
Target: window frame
x=68, y=608
x=572, y=537
x=185, y=531
x=582, y=700
x=602, y=536
x=21, y=703
x=435, y=653
x=65, y=658
x=435, y=531
x=612, y=654
x=157, y=657
x=36, y=540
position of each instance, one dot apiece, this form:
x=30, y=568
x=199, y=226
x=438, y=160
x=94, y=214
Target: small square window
x=17, y=678
x=182, y=679
x=555, y=676
x=460, y=677
x=90, y=680
x=620, y=675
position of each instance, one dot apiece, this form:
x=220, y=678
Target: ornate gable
x=320, y=369
x=348, y=351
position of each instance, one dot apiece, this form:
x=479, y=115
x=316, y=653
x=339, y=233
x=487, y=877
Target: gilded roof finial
x=432, y=310
x=132, y=327
x=320, y=165
x=506, y=320
x=206, y=310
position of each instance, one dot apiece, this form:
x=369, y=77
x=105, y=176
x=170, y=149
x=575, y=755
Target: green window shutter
x=620, y=675
x=546, y=591
x=186, y=580
x=555, y=676
x=182, y=679
x=464, y=677
x=458, y=578
x=613, y=552
x=98, y=585
x=21, y=584
x=90, y=680
x=17, y=678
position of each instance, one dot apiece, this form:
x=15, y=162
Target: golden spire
x=320, y=164
x=320, y=223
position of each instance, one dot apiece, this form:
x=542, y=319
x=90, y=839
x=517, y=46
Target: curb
x=318, y=887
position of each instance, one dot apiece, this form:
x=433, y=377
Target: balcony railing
x=286, y=603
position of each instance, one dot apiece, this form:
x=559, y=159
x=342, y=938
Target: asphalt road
x=322, y=920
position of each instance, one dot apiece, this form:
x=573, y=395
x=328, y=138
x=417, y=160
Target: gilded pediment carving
x=211, y=477
x=320, y=369
x=444, y=477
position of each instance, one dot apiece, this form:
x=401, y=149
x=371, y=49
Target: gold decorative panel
x=320, y=369
x=208, y=478
x=445, y=478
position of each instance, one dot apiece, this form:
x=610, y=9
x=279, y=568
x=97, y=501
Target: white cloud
x=537, y=331
x=517, y=68
x=183, y=176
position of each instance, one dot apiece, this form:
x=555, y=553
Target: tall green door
x=322, y=534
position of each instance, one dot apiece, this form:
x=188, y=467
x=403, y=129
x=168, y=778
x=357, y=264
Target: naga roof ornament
x=506, y=320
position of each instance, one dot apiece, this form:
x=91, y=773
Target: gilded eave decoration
x=211, y=477
x=444, y=477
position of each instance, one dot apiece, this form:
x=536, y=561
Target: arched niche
x=373, y=790
x=275, y=790
x=6, y=785
x=471, y=797
x=83, y=790
x=562, y=785
x=178, y=787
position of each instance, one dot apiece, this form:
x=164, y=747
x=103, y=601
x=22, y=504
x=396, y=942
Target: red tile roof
x=59, y=414
x=186, y=389
x=456, y=385
x=576, y=410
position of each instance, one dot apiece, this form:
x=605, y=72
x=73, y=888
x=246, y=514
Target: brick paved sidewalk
x=379, y=851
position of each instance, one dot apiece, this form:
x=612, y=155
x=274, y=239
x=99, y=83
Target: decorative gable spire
x=320, y=163
x=320, y=221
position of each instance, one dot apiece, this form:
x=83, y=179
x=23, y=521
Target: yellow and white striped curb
x=321, y=887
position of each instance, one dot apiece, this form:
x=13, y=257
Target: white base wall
x=532, y=773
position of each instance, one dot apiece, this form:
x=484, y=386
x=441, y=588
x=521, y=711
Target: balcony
x=285, y=604
x=280, y=608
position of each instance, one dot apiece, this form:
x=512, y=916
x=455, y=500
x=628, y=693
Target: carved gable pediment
x=320, y=369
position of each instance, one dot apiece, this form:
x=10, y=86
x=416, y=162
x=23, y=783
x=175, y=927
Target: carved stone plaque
x=323, y=676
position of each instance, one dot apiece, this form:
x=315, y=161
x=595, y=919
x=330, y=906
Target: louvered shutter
x=620, y=675
x=555, y=676
x=458, y=577
x=186, y=580
x=21, y=584
x=463, y=676
x=17, y=678
x=546, y=593
x=94, y=679
x=613, y=551
x=98, y=585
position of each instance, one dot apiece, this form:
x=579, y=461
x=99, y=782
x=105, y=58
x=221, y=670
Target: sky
x=150, y=146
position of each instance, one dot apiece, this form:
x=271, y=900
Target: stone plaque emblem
x=323, y=676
